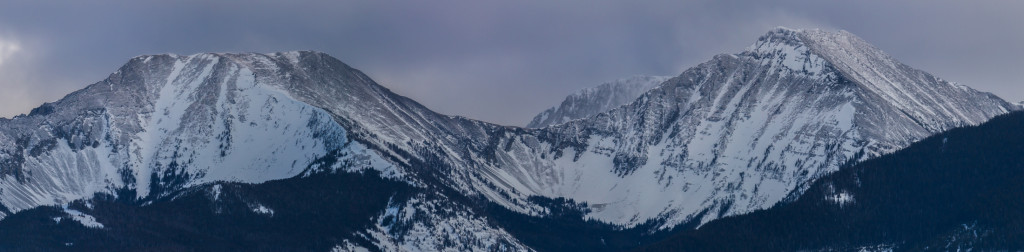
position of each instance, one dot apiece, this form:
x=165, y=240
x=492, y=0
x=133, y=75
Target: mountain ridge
x=589, y=101
x=735, y=134
x=766, y=92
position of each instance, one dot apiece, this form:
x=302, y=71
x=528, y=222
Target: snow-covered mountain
x=162, y=123
x=734, y=134
x=743, y=131
x=166, y=123
x=593, y=100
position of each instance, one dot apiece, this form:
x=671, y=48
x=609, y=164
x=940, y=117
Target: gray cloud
x=496, y=61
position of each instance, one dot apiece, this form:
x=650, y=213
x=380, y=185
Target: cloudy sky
x=496, y=61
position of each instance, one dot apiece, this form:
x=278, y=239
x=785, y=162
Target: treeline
x=311, y=213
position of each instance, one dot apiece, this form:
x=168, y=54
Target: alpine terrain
x=282, y=151
x=591, y=101
x=743, y=131
x=956, y=191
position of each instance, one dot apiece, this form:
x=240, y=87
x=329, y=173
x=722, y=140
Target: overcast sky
x=498, y=61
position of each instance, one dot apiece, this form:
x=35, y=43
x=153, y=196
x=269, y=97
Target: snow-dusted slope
x=742, y=131
x=164, y=123
x=737, y=133
x=925, y=100
x=593, y=100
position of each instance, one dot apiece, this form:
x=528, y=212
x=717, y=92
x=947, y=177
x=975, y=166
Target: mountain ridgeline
x=590, y=101
x=171, y=149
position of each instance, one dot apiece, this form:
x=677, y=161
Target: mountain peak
x=242, y=58
x=786, y=48
x=806, y=36
x=285, y=69
x=781, y=33
x=598, y=99
x=155, y=103
x=296, y=53
x=794, y=106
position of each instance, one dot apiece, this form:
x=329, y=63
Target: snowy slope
x=734, y=134
x=165, y=123
x=960, y=184
x=593, y=100
x=742, y=131
x=182, y=120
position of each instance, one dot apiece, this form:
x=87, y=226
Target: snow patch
x=348, y=246
x=215, y=190
x=841, y=198
x=261, y=209
x=439, y=225
x=85, y=219
x=877, y=248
